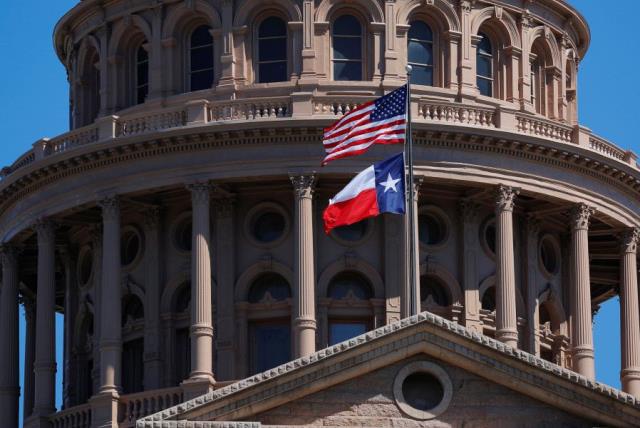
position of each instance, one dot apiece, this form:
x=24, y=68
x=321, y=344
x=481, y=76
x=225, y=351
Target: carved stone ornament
x=505, y=198
x=110, y=208
x=200, y=192
x=45, y=229
x=532, y=226
x=303, y=185
x=8, y=254
x=224, y=207
x=629, y=240
x=151, y=218
x=580, y=216
x=468, y=210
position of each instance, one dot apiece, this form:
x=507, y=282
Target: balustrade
x=456, y=114
x=251, y=109
x=544, y=128
x=135, y=406
x=73, y=417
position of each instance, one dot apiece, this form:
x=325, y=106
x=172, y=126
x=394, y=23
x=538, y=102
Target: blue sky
x=34, y=104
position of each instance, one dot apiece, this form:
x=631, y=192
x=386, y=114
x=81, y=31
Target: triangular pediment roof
x=424, y=333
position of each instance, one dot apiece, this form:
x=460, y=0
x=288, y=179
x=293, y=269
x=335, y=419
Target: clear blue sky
x=34, y=104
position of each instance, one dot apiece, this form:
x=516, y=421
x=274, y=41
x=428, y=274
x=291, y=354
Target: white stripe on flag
x=364, y=180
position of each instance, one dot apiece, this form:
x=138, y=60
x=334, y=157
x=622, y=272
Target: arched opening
x=541, y=84
x=349, y=307
x=141, y=77
x=133, y=344
x=485, y=66
x=347, y=48
x=84, y=351
x=200, y=58
x=420, y=53
x=272, y=50
x=89, y=93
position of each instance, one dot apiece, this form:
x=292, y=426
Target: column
x=153, y=374
x=407, y=310
x=70, y=309
x=506, y=319
x=469, y=249
x=304, y=316
x=393, y=267
x=532, y=342
x=581, y=329
x=225, y=274
x=44, y=366
x=29, y=356
x=391, y=63
x=201, y=325
x=9, y=368
x=629, y=315
x=111, y=299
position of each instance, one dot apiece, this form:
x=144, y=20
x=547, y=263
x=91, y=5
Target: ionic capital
x=580, y=216
x=303, y=185
x=505, y=198
x=110, y=208
x=200, y=192
x=629, y=240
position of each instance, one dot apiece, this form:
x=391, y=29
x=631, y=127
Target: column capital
x=151, y=218
x=200, y=192
x=505, y=198
x=468, y=210
x=8, y=254
x=303, y=184
x=223, y=207
x=629, y=240
x=533, y=226
x=110, y=208
x=580, y=216
x=45, y=228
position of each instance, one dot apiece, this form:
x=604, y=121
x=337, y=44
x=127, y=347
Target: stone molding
x=629, y=241
x=594, y=398
x=303, y=185
x=505, y=198
x=580, y=216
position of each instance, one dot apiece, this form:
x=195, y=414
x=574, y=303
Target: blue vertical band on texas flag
x=377, y=189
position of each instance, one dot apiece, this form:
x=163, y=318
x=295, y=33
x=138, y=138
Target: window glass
x=132, y=308
x=490, y=237
x=183, y=235
x=183, y=298
x=132, y=366
x=431, y=229
x=268, y=226
x=201, y=59
x=183, y=354
x=349, y=284
x=142, y=75
x=484, y=66
x=432, y=289
x=347, y=48
x=339, y=331
x=420, y=53
x=489, y=299
x=129, y=247
x=272, y=50
x=422, y=391
x=271, y=345
x=271, y=283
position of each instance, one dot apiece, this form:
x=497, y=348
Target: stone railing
x=73, y=417
x=606, y=148
x=250, y=109
x=135, y=406
x=456, y=113
x=151, y=122
x=333, y=106
x=21, y=162
x=69, y=140
x=527, y=124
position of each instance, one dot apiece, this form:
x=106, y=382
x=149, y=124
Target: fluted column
x=531, y=341
x=45, y=364
x=110, y=312
x=581, y=334
x=153, y=374
x=469, y=264
x=407, y=308
x=506, y=317
x=201, y=324
x=304, y=320
x=29, y=357
x=629, y=315
x=9, y=384
x=70, y=308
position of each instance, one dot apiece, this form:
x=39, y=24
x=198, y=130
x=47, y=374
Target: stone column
x=9, y=356
x=304, y=317
x=629, y=315
x=111, y=299
x=29, y=357
x=153, y=374
x=532, y=342
x=506, y=318
x=242, y=340
x=393, y=267
x=468, y=259
x=581, y=329
x=201, y=324
x=70, y=309
x=407, y=310
x=45, y=363
x=225, y=269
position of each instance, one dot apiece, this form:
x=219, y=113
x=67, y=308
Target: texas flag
x=377, y=189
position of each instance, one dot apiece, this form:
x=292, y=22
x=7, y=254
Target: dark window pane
x=347, y=48
x=272, y=49
x=349, y=285
x=431, y=289
x=422, y=75
x=201, y=58
x=272, y=346
x=183, y=354
x=183, y=298
x=341, y=331
x=347, y=25
x=489, y=299
x=484, y=47
x=132, y=366
x=421, y=53
x=485, y=86
x=142, y=55
x=268, y=226
x=422, y=391
x=201, y=37
x=420, y=30
x=431, y=230
x=273, y=72
x=485, y=66
x=201, y=80
x=353, y=232
x=271, y=283
x=490, y=237
x=142, y=94
x=347, y=70
x=143, y=73
x=271, y=27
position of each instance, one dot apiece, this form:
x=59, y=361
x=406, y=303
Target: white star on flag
x=390, y=183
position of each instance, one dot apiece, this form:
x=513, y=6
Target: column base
x=193, y=388
x=582, y=362
x=104, y=410
x=630, y=379
x=37, y=421
x=508, y=337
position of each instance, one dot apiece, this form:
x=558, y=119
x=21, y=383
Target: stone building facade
x=178, y=224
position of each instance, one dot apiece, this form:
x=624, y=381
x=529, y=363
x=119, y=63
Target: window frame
x=364, y=74
x=435, y=52
x=256, y=48
x=493, y=62
x=137, y=86
x=189, y=48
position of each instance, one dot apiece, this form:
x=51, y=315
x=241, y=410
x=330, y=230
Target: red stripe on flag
x=352, y=211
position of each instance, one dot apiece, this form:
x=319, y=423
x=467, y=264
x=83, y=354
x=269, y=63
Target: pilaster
x=153, y=373
x=468, y=212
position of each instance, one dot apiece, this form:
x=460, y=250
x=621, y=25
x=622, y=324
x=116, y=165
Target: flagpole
x=413, y=304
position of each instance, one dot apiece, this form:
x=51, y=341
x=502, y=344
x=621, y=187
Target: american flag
x=382, y=121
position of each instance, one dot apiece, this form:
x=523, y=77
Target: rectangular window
x=339, y=331
x=270, y=345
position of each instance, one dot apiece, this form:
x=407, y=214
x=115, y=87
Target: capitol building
x=178, y=224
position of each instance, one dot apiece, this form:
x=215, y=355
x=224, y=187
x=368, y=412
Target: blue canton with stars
x=391, y=105
x=389, y=175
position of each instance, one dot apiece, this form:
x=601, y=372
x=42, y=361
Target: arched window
x=489, y=299
x=347, y=48
x=350, y=313
x=201, y=59
x=132, y=309
x=272, y=50
x=420, y=53
x=142, y=74
x=433, y=291
x=270, y=328
x=133, y=345
x=88, y=103
x=485, y=66
x=182, y=347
